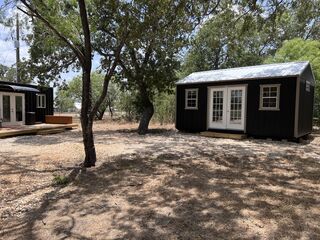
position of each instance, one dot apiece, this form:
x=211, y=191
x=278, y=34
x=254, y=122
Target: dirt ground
x=165, y=185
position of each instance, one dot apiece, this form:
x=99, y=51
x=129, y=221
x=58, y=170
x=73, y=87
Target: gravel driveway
x=165, y=185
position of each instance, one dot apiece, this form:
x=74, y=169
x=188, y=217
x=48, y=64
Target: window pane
x=273, y=89
x=191, y=103
x=191, y=98
x=273, y=94
x=266, y=91
x=270, y=102
x=194, y=94
x=266, y=102
x=6, y=108
x=18, y=108
x=269, y=97
x=273, y=102
x=217, y=106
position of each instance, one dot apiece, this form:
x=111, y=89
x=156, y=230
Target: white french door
x=227, y=107
x=12, y=110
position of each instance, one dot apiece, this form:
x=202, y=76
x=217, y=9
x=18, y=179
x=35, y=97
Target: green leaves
x=74, y=90
x=298, y=49
x=246, y=33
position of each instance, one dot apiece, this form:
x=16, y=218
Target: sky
x=8, y=52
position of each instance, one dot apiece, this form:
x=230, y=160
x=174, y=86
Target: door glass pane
x=217, y=106
x=6, y=108
x=236, y=106
x=18, y=108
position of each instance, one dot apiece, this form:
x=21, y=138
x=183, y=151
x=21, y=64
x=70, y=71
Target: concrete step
x=223, y=135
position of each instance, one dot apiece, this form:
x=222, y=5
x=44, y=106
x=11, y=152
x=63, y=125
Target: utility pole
x=17, y=46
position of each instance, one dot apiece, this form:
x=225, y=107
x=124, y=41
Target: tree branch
x=106, y=81
x=36, y=14
x=86, y=33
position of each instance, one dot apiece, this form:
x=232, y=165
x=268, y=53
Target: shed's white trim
x=186, y=98
x=41, y=100
x=226, y=108
x=277, y=107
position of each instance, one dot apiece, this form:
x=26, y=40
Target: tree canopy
x=238, y=36
x=302, y=50
x=73, y=90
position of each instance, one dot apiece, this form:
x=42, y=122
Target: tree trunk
x=146, y=116
x=110, y=110
x=100, y=113
x=87, y=121
x=86, y=109
x=89, y=148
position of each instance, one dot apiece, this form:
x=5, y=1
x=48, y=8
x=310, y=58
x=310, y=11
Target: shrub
x=60, y=180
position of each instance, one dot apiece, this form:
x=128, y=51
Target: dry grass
x=165, y=185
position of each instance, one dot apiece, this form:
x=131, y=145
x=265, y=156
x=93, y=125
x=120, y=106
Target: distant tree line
x=121, y=102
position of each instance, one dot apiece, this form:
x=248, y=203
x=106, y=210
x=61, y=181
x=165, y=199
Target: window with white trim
x=191, y=98
x=269, y=97
x=308, y=84
x=41, y=101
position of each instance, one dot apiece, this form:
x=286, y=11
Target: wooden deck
x=42, y=129
x=223, y=135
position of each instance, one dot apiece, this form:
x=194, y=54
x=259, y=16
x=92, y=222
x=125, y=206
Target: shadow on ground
x=193, y=191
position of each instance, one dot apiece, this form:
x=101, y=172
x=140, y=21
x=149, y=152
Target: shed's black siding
x=31, y=101
x=191, y=120
x=278, y=124
x=42, y=112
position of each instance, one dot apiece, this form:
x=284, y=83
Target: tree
x=128, y=104
x=164, y=105
x=149, y=60
x=302, y=50
x=63, y=101
x=222, y=42
x=3, y=70
x=74, y=90
x=301, y=19
x=242, y=36
x=10, y=73
x=112, y=97
x=61, y=29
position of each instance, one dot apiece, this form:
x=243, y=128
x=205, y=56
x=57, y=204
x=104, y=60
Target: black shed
x=24, y=103
x=271, y=100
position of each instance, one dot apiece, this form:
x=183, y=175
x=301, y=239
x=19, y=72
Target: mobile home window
x=269, y=97
x=41, y=101
x=191, y=99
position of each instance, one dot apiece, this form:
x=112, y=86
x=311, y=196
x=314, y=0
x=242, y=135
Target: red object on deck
x=58, y=119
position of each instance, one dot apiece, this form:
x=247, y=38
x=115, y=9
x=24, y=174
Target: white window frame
x=186, y=98
x=277, y=107
x=41, y=101
x=308, y=86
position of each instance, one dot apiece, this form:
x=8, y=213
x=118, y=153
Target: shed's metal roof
x=19, y=88
x=243, y=73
